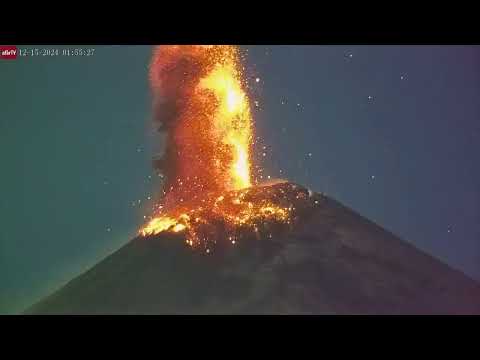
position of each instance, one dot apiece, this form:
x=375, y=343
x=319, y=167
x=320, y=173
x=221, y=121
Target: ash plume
x=200, y=107
x=171, y=74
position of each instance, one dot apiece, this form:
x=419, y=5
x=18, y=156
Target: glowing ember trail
x=201, y=105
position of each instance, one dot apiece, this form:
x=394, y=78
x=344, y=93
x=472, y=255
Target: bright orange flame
x=232, y=120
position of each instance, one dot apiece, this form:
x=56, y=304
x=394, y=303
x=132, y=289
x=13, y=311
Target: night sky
x=390, y=131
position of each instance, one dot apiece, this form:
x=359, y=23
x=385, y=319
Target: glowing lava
x=257, y=211
x=201, y=104
x=231, y=123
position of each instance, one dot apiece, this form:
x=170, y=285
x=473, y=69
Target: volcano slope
x=331, y=261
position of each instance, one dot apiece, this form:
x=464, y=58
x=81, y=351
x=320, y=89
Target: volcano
x=328, y=260
x=220, y=241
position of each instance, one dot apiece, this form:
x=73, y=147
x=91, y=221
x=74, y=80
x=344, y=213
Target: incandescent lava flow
x=201, y=105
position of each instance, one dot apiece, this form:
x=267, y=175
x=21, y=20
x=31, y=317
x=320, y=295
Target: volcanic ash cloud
x=200, y=104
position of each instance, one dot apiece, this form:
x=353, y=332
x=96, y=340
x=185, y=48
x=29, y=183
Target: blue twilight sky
x=391, y=131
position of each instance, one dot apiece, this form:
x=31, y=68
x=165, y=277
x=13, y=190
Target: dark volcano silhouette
x=332, y=262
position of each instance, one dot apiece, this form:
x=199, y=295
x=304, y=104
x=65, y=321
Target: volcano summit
x=328, y=260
